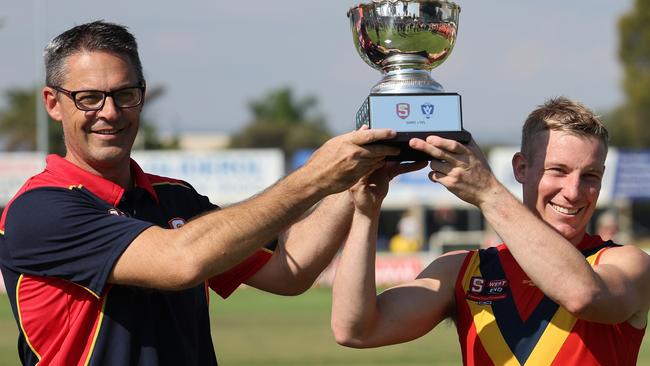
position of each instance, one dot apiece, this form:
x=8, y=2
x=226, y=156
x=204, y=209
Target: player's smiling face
x=100, y=138
x=561, y=181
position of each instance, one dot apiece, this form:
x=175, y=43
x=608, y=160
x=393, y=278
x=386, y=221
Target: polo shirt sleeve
x=226, y=283
x=67, y=234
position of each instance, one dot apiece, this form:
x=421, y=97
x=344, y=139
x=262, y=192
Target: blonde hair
x=561, y=114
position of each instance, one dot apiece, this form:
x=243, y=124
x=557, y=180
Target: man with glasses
x=107, y=265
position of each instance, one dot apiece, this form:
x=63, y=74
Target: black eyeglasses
x=93, y=100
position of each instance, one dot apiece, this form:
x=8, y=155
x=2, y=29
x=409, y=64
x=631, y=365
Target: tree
x=283, y=122
x=628, y=124
x=148, y=138
x=18, y=123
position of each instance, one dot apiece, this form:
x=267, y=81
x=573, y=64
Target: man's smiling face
x=561, y=180
x=102, y=138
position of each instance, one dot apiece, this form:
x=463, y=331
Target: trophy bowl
x=406, y=40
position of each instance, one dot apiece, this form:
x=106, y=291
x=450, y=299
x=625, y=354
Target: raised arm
x=616, y=290
x=306, y=248
x=212, y=243
x=360, y=318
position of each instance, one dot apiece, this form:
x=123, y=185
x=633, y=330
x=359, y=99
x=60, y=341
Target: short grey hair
x=94, y=36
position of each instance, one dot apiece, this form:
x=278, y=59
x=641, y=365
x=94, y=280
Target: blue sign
x=633, y=175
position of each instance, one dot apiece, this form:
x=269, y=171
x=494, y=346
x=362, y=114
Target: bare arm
x=613, y=292
x=212, y=243
x=360, y=318
x=306, y=248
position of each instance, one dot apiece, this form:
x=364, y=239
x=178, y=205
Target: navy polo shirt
x=60, y=237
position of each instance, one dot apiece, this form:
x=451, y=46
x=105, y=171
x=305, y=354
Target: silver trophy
x=406, y=40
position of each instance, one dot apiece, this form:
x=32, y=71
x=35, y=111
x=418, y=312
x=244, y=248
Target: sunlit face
x=561, y=180
x=102, y=139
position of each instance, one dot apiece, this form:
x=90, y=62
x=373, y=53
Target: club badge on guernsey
x=176, y=223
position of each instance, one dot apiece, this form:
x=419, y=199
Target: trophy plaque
x=405, y=40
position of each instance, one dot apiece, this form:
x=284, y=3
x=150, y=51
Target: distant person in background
x=105, y=264
x=408, y=238
x=551, y=295
x=444, y=218
x=607, y=225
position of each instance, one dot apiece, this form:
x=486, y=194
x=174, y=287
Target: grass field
x=253, y=328
x=259, y=329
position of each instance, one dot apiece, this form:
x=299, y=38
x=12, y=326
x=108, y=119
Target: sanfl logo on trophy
x=427, y=109
x=403, y=110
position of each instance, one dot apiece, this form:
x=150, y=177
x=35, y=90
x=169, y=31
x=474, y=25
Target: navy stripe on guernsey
x=521, y=336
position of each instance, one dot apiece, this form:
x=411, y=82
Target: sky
x=214, y=57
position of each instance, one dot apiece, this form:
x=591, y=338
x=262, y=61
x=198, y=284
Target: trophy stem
x=407, y=74
x=407, y=81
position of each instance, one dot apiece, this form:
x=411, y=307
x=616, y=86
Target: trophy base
x=402, y=139
x=414, y=115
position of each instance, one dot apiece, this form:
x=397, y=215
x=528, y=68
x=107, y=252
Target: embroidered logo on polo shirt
x=175, y=223
x=484, y=292
x=116, y=212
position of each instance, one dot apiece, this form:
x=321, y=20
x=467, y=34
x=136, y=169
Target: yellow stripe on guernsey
x=485, y=323
x=87, y=289
x=555, y=334
x=96, y=335
x=20, y=318
x=552, y=339
x=491, y=337
x=170, y=184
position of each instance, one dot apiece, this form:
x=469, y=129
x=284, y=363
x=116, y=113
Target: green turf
x=253, y=328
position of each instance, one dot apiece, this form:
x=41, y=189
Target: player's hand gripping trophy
x=406, y=40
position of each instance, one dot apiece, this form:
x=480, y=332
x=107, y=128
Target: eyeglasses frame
x=73, y=93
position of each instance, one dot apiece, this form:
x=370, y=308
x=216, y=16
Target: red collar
x=589, y=241
x=103, y=188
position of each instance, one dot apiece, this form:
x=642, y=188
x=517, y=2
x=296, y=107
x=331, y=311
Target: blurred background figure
x=409, y=235
x=607, y=226
x=445, y=218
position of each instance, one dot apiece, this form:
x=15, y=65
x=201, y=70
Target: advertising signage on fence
x=15, y=169
x=405, y=190
x=415, y=187
x=633, y=175
x=225, y=176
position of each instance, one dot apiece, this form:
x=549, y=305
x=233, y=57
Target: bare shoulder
x=629, y=261
x=627, y=257
x=633, y=264
x=446, y=266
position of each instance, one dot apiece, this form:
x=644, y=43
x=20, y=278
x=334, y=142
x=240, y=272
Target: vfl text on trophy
x=406, y=40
